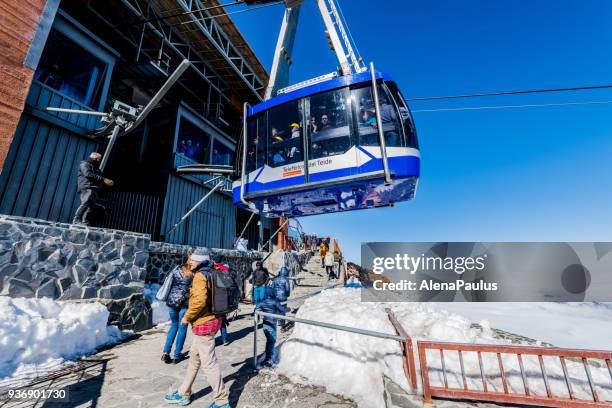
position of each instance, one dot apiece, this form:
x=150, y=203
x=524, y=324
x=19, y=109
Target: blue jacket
x=271, y=304
x=179, y=290
x=281, y=285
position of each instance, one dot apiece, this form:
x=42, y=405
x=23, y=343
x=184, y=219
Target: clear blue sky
x=542, y=174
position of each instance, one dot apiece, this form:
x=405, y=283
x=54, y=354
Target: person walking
x=260, y=279
x=204, y=326
x=282, y=289
x=220, y=264
x=89, y=181
x=270, y=304
x=329, y=265
x=322, y=252
x=177, y=302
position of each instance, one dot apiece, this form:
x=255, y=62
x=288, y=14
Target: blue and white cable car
x=344, y=143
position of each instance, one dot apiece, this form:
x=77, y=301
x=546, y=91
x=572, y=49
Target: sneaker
x=166, y=358
x=179, y=399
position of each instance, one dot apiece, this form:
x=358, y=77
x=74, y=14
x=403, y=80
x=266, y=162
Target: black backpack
x=224, y=290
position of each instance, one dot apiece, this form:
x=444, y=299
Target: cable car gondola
x=340, y=143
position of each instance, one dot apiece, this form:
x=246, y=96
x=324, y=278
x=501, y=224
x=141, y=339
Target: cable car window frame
x=348, y=119
x=262, y=141
x=286, y=139
x=402, y=100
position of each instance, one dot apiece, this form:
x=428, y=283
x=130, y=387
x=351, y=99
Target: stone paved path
x=131, y=374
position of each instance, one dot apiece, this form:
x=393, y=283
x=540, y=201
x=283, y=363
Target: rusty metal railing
x=528, y=396
x=407, y=351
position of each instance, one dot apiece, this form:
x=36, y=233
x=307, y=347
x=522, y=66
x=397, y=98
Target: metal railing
x=407, y=350
x=528, y=396
x=332, y=326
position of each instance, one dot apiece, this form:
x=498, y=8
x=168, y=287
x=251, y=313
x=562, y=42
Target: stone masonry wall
x=76, y=263
x=71, y=262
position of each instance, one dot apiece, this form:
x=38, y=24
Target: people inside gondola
x=295, y=134
x=295, y=130
x=314, y=126
x=325, y=122
x=388, y=116
x=276, y=135
x=278, y=158
x=369, y=118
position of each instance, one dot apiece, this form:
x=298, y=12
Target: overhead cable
x=542, y=105
x=520, y=92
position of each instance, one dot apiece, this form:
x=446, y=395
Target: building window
x=221, y=154
x=193, y=142
x=71, y=70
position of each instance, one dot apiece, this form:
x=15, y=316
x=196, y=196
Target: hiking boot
x=178, y=399
x=166, y=358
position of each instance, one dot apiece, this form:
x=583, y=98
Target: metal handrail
x=381, y=133
x=309, y=294
x=332, y=326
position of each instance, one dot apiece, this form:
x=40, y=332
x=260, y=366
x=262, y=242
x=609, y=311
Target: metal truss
x=207, y=24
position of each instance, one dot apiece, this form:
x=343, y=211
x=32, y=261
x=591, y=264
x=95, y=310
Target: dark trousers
x=89, y=198
x=269, y=330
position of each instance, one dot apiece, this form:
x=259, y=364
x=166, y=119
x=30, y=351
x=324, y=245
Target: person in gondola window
x=325, y=122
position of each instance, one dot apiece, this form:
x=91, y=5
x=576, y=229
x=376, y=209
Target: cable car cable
x=348, y=28
x=543, y=105
x=521, y=92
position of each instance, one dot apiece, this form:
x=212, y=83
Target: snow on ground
x=38, y=335
x=160, y=310
x=572, y=325
x=353, y=365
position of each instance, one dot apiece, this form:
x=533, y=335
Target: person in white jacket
x=329, y=264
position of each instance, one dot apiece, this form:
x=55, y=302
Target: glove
x=108, y=182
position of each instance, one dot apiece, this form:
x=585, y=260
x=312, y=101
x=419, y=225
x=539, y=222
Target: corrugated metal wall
x=39, y=175
x=212, y=225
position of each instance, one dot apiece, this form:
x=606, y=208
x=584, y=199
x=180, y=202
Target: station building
x=85, y=55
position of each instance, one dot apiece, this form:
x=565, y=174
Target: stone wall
x=71, y=262
x=164, y=257
x=77, y=263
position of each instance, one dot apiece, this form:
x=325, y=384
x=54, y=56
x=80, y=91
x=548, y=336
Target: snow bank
x=160, y=310
x=39, y=334
x=354, y=365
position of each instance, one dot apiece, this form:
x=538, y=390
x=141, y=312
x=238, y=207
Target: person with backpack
x=177, y=301
x=270, y=304
x=212, y=295
x=260, y=279
x=282, y=289
x=221, y=265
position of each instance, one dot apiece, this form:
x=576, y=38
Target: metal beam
x=224, y=46
x=279, y=74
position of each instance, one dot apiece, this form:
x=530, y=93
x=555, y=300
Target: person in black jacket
x=89, y=182
x=260, y=279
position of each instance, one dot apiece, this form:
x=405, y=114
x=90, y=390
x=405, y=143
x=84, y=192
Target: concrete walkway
x=131, y=374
